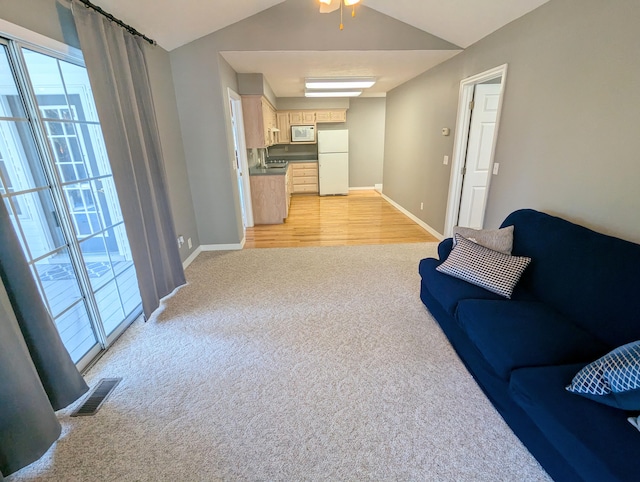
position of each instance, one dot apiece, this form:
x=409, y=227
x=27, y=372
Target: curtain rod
x=128, y=28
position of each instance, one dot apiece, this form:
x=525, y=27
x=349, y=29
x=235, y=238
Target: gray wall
x=164, y=100
x=568, y=141
x=366, y=124
x=293, y=103
x=292, y=25
x=55, y=21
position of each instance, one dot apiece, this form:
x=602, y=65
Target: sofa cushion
x=449, y=290
x=589, y=277
x=596, y=440
x=518, y=334
x=484, y=267
x=496, y=239
x=613, y=379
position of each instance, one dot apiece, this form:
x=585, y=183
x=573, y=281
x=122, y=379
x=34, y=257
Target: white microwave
x=303, y=133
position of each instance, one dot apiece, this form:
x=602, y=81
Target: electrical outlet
x=180, y=241
x=496, y=166
x=421, y=206
x=189, y=242
x=446, y=160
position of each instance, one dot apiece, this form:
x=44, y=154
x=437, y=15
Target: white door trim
x=235, y=98
x=462, y=136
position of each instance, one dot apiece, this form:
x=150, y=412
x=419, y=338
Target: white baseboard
x=223, y=247
x=418, y=221
x=364, y=188
x=192, y=256
x=378, y=187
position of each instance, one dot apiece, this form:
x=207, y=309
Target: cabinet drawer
x=305, y=173
x=305, y=180
x=304, y=165
x=298, y=188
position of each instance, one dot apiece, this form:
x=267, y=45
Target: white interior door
x=479, y=152
x=241, y=164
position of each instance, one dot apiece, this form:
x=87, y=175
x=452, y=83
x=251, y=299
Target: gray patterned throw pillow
x=484, y=267
x=496, y=239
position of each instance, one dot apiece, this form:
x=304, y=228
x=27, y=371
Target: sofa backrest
x=591, y=278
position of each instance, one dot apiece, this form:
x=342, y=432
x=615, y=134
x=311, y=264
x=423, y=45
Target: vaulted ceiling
x=461, y=22
x=174, y=23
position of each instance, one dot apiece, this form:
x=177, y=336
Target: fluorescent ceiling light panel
x=332, y=93
x=340, y=83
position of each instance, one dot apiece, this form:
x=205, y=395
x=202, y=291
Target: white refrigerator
x=333, y=162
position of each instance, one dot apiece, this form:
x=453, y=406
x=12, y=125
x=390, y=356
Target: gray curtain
x=37, y=376
x=120, y=82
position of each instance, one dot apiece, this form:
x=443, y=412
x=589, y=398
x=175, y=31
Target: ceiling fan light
x=327, y=2
x=348, y=3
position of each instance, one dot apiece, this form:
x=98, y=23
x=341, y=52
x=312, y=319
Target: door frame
x=461, y=139
x=236, y=104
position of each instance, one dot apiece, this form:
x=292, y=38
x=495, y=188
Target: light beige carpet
x=289, y=365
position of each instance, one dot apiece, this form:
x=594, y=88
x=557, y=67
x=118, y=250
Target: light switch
x=446, y=160
x=496, y=166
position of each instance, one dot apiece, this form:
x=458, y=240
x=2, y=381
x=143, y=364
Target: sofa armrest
x=444, y=248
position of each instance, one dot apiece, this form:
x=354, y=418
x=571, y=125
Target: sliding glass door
x=56, y=182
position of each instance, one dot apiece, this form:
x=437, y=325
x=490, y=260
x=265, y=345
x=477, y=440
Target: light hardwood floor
x=362, y=217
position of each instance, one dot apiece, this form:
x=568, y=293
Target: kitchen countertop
x=277, y=171
x=268, y=171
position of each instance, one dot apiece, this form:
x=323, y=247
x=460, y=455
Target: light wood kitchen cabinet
x=334, y=115
x=303, y=117
x=271, y=197
x=259, y=121
x=304, y=177
x=284, y=126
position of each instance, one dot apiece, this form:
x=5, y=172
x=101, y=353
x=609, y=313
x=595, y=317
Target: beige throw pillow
x=497, y=239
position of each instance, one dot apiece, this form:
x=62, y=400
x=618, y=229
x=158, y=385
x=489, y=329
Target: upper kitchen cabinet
x=284, y=128
x=259, y=121
x=333, y=115
x=304, y=117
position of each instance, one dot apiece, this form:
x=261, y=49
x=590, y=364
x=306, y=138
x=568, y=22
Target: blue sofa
x=577, y=300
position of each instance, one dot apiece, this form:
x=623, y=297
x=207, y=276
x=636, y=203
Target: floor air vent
x=96, y=397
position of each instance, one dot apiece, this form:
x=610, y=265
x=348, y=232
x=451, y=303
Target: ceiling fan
x=328, y=6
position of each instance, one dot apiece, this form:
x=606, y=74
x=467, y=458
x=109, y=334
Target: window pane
x=118, y=247
x=105, y=192
x=76, y=331
x=47, y=83
x=39, y=223
x=58, y=281
x=84, y=209
x=10, y=103
x=78, y=151
x=129, y=291
x=110, y=307
x=12, y=215
x=96, y=260
x=79, y=91
x=20, y=166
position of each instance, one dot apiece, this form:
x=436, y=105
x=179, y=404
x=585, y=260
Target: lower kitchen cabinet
x=270, y=197
x=304, y=177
